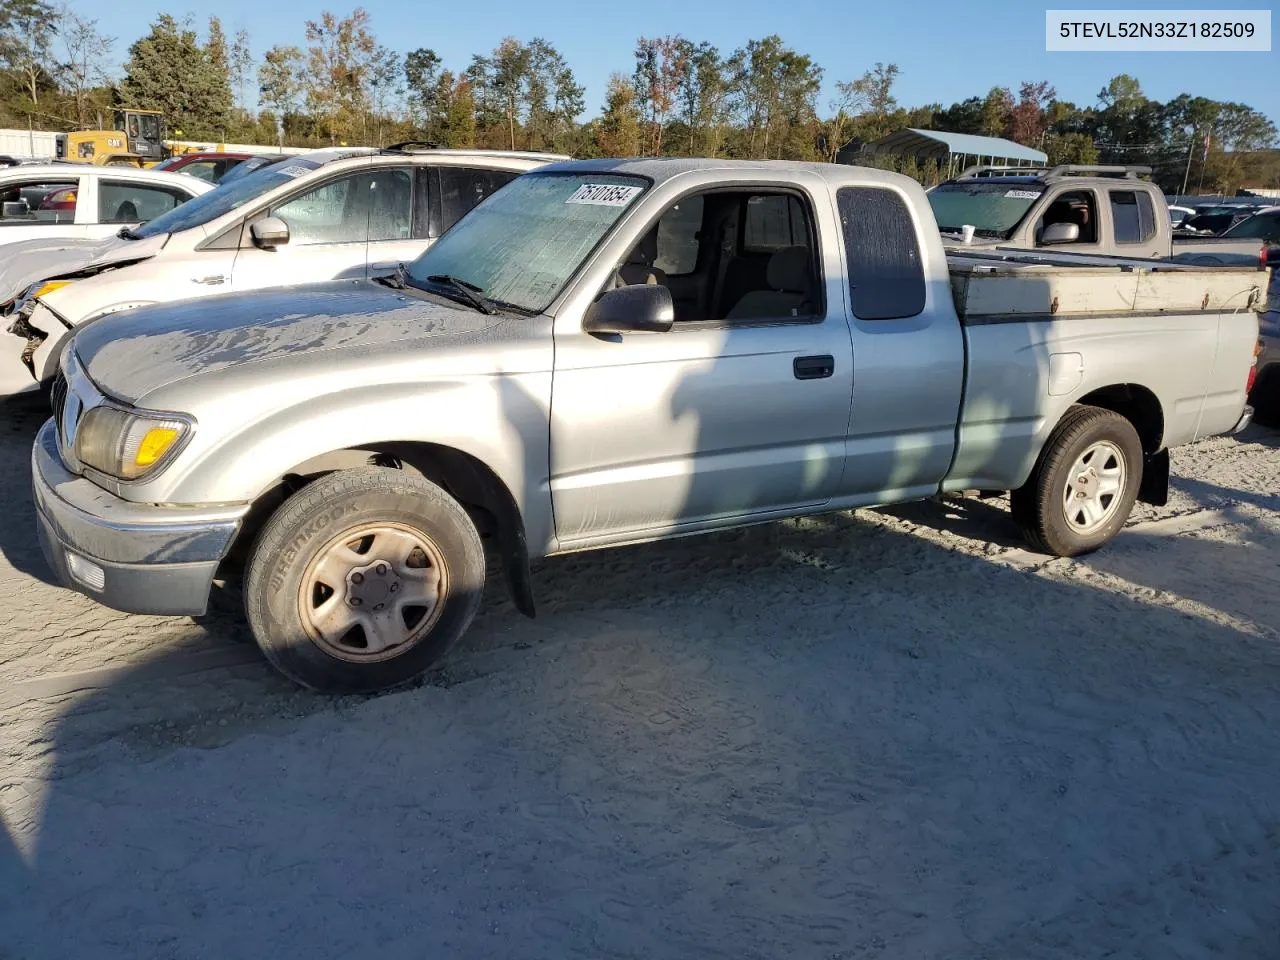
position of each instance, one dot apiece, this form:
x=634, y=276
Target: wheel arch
x=466, y=478
x=1142, y=408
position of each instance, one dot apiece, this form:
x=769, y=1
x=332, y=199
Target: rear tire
x=362, y=580
x=1084, y=484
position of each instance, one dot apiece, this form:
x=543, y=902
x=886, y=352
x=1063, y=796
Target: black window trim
x=437, y=192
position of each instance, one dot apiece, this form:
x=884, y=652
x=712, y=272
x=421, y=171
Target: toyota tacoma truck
x=1107, y=210
x=602, y=353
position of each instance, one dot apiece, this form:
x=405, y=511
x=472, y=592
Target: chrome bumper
x=135, y=557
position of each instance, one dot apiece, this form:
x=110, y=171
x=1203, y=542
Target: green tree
x=428, y=97
x=661, y=66
x=617, y=132
x=339, y=68
x=171, y=71
x=27, y=31
x=996, y=115
x=460, y=117
x=280, y=83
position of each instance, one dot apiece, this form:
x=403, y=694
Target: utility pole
x=1187, y=176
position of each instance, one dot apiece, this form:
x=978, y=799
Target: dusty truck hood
x=30, y=261
x=131, y=354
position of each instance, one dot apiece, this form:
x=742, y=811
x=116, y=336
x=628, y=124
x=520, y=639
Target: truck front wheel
x=362, y=580
x=1083, y=486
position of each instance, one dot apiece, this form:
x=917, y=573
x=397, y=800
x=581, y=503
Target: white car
x=327, y=215
x=79, y=201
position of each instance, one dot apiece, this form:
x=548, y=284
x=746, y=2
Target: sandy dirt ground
x=884, y=734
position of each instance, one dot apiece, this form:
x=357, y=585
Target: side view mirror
x=643, y=308
x=16, y=209
x=269, y=232
x=1060, y=233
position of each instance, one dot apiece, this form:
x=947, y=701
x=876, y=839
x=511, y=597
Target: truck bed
x=990, y=285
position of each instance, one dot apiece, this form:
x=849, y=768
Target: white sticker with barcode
x=604, y=194
x=294, y=171
x=1022, y=194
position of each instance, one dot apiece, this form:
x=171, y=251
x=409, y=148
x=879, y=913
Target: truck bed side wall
x=1024, y=374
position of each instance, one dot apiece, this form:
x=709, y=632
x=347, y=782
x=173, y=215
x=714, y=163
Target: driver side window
x=333, y=212
x=731, y=256
x=1079, y=207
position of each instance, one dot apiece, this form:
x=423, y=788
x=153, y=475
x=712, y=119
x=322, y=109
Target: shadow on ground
x=820, y=738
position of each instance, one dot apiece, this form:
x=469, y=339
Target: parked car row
x=319, y=216
x=75, y=201
x=567, y=356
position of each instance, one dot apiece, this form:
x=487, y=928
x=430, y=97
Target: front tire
x=362, y=580
x=1084, y=484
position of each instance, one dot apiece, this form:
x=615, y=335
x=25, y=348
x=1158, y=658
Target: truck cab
x=137, y=140
x=1108, y=211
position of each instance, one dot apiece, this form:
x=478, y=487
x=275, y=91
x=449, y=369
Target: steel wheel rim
x=1095, y=487
x=372, y=592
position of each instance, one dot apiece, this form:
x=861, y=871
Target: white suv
x=321, y=216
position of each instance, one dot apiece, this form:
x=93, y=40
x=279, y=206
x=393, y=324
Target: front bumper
x=140, y=558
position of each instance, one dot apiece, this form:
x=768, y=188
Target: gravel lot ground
x=891, y=733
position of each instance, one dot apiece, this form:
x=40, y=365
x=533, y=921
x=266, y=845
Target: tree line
x=340, y=85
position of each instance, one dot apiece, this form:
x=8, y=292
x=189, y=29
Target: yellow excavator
x=137, y=141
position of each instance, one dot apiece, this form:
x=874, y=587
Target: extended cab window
x=886, y=273
x=1133, y=216
x=462, y=189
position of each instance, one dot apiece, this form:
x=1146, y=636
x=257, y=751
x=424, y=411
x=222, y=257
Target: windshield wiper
x=396, y=281
x=469, y=291
x=125, y=233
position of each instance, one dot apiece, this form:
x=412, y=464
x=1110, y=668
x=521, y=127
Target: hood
x=30, y=261
x=133, y=353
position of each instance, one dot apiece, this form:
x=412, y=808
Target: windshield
x=993, y=209
x=1261, y=226
x=524, y=243
x=223, y=199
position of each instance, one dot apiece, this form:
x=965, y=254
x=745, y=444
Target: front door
x=741, y=408
x=328, y=236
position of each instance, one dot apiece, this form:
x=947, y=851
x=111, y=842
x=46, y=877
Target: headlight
x=128, y=444
x=26, y=303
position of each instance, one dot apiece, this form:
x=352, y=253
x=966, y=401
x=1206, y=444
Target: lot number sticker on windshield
x=1022, y=195
x=294, y=171
x=604, y=194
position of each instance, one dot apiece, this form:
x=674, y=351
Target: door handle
x=813, y=368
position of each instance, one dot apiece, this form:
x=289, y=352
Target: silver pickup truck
x=1090, y=210
x=602, y=353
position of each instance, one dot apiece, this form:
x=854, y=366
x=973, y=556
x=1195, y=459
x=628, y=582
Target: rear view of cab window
x=886, y=275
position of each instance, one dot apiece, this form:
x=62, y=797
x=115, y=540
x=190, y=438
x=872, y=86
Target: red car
x=206, y=166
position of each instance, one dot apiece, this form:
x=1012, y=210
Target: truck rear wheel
x=362, y=580
x=1083, y=486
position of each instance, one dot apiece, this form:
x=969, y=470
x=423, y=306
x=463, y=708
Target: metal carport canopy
x=936, y=143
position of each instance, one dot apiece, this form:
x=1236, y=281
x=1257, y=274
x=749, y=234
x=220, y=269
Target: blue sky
x=946, y=50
